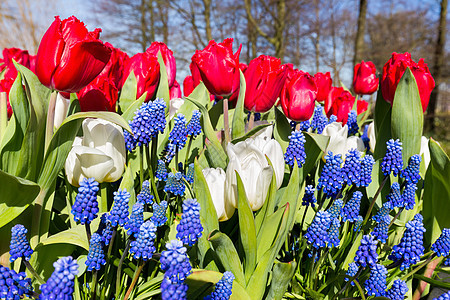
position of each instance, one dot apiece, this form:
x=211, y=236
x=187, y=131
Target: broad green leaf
x=291, y=194
x=433, y=282
x=315, y=147
x=128, y=94
x=163, y=86
x=407, y=116
x=247, y=229
x=282, y=129
x=249, y=134
x=351, y=254
x=128, y=184
x=227, y=255
x=269, y=230
x=16, y=195
x=282, y=275
x=238, y=127
x=382, y=122
x=206, y=256
x=128, y=115
x=216, y=114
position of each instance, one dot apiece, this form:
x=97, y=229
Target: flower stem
x=420, y=267
x=141, y=165
x=88, y=231
x=3, y=113
x=154, y=157
x=226, y=122
x=176, y=159
x=374, y=199
x=33, y=271
x=188, y=150
x=155, y=189
x=94, y=284
x=251, y=121
x=111, y=242
x=396, y=216
x=104, y=197
x=50, y=119
x=135, y=278
x=119, y=267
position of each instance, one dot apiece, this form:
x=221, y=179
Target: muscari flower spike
x=194, y=128
x=333, y=233
x=161, y=171
x=350, y=211
x=367, y=255
x=351, y=171
x=190, y=173
x=189, y=230
x=317, y=232
x=411, y=172
x=445, y=296
x=352, y=123
x=380, y=232
x=308, y=197
x=365, y=138
x=145, y=196
x=223, y=288
x=14, y=285
x=394, y=197
x=175, y=184
x=136, y=219
x=383, y=213
x=105, y=229
x=296, y=149
x=397, y=291
x=335, y=209
x=169, y=153
x=330, y=180
x=304, y=126
x=119, y=211
x=178, y=135
x=409, y=196
x=143, y=247
x=140, y=127
x=19, y=245
x=60, y=285
x=158, y=116
x=332, y=119
x=173, y=291
x=85, y=208
x=319, y=120
x=96, y=256
x=358, y=224
x=159, y=216
x=442, y=245
x=175, y=262
x=411, y=247
x=351, y=271
x=376, y=284
x=392, y=162
x=367, y=163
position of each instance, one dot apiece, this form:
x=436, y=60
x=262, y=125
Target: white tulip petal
x=215, y=178
x=274, y=152
x=371, y=136
x=425, y=151
x=94, y=163
x=174, y=106
x=262, y=187
x=61, y=107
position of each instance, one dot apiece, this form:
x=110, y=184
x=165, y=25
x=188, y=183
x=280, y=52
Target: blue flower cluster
x=175, y=263
x=409, y=196
x=352, y=123
x=397, y=291
x=296, y=149
x=383, y=213
x=442, y=245
x=411, y=172
x=350, y=211
x=161, y=171
x=335, y=209
x=145, y=196
x=143, y=247
x=358, y=224
x=173, y=291
x=96, y=256
x=392, y=162
x=159, y=216
x=194, y=128
x=332, y=119
x=19, y=245
x=190, y=173
x=351, y=272
x=178, y=135
x=175, y=184
x=317, y=232
x=14, y=285
x=119, y=212
x=330, y=180
x=223, y=288
x=394, y=197
x=367, y=163
x=136, y=219
x=376, y=284
x=105, y=229
x=169, y=153
x=380, y=232
x=85, y=208
x=333, y=233
x=60, y=285
x=308, y=197
x=445, y=296
x=319, y=120
x=304, y=126
x=351, y=171
x=189, y=230
x=367, y=255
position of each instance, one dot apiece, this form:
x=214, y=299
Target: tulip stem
x=374, y=199
x=226, y=123
x=50, y=119
x=94, y=284
x=3, y=114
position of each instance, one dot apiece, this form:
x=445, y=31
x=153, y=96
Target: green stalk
x=226, y=122
x=3, y=114
x=396, y=216
x=104, y=198
x=135, y=278
x=50, y=119
x=119, y=267
x=311, y=269
x=88, y=231
x=141, y=165
x=374, y=199
x=176, y=158
x=155, y=189
x=188, y=150
x=404, y=278
x=94, y=284
x=33, y=271
x=154, y=158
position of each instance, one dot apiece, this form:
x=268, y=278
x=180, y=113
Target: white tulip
x=174, y=106
x=215, y=178
x=354, y=142
x=338, y=138
x=100, y=153
x=425, y=151
x=371, y=136
x=61, y=107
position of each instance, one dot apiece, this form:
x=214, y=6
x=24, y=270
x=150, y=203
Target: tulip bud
x=168, y=58
x=215, y=178
x=339, y=142
x=365, y=80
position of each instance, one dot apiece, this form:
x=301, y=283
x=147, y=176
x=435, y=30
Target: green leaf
x=200, y=93
x=269, y=230
x=227, y=255
x=128, y=115
x=238, y=127
x=128, y=94
x=351, y=254
x=17, y=194
x=282, y=129
x=163, y=87
x=407, y=116
x=315, y=146
x=128, y=184
x=282, y=275
x=382, y=122
x=433, y=282
x=249, y=134
x=246, y=228
x=291, y=194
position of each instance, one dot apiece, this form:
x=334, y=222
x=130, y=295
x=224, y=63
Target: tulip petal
x=94, y=163
x=274, y=152
x=262, y=186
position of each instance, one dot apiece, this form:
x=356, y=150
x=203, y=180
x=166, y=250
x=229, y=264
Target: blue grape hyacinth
x=223, y=288
x=335, y=209
x=445, y=296
x=159, y=216
x=190, y=173
x=367, y=163
x=19, y=245
x=107, y=232
x=367, y=255
x=60, y=285
x=140, y=127
x=380, y=232
x=392, y=162
x=175, y=184
x=383, y=213
x=317, y=232
x=333, y=233
x=394, y=197
x=331, y=180
x=333, y=118
x=158, y=116
x=175, y=262
x=376, y=284
x=351, y=272
x=194, y=128
x=409, y=196
x=136, y=219
x=442, y=245
x=169, y=153
x=96, y=256
x=352, y=123
x=85, y=208
x=319, y=120
x=397, y=291
x=350, y=211
x=14, y=285
x=358, y=223
x=411, y=246
x=145, y=196
x=178, y=135
x=351, y=171
x=119, y=211
x=411, y=172
x=189, y=230
x=296, y=149
x=161, y=171
x=173, y=291
x=143, y=247
x=308, y=197
x=304, y=126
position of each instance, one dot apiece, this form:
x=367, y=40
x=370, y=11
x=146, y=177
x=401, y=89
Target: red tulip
x=5, y=86
x=175, y=90
x=218, y=67
x=20, y=56
x=365, y=80
x=361, y=106
x=115, y=67
x=339, y=103
x=146, y=69
x=298, y=96
x=69, y=57
x=234, y=97
x=196, y=77
x=169, y=59
x=100, y=95
x=393, y=70
x=324, y=84
x=265, y=78
x=188, y=85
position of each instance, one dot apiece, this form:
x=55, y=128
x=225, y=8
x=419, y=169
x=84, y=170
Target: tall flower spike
x=397, y=291
x=296, y=149
x=366, y=170
x=308, y=197
x=140, y=127
x=175, y=184
x=317, y=232
x=351, y=171
x=350, y=211
x=365, y=138
x=14, y=285
x=332, y=119
x=380, y=232
x=136, y=219
x=169, y=153
x=223, y=288
x=189, y=230
x=333, y=233
x=143, y=247
x=304, y=126
x=105, y=229
x=411, y=172
x=60, y=285
x=173, y=291
x=130, y=141
x=96, y=256
x=392, y=162
x=330, y=180
x=159, y=216
x=445, y=296
x=358, y=224
x=178, y=135
x=119, y=211
x=161, y=171
x=383, y=213
x=190, y=173
x=409, y=195
x=442, y=245
x=367, y=255
x=352, y=123
x=376, y=284
x=335, y=209
x=319, y=120
x=145, y=196
x=194, y=128
x=158, y=116
x=19, y=245
x=85, y=208
x=411, y=247
x=394, y=197
x=175, y=262
x=352, y=271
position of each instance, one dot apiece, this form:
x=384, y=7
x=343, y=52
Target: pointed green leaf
x=163, y=87
x=315, y=147
x=128, y=115
x=382, y=122
x=269, y=230
x=282, y=129
x=128, y=184
x=238, y=127
x=249, y=134
x=282, y=275
x=128, y=94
